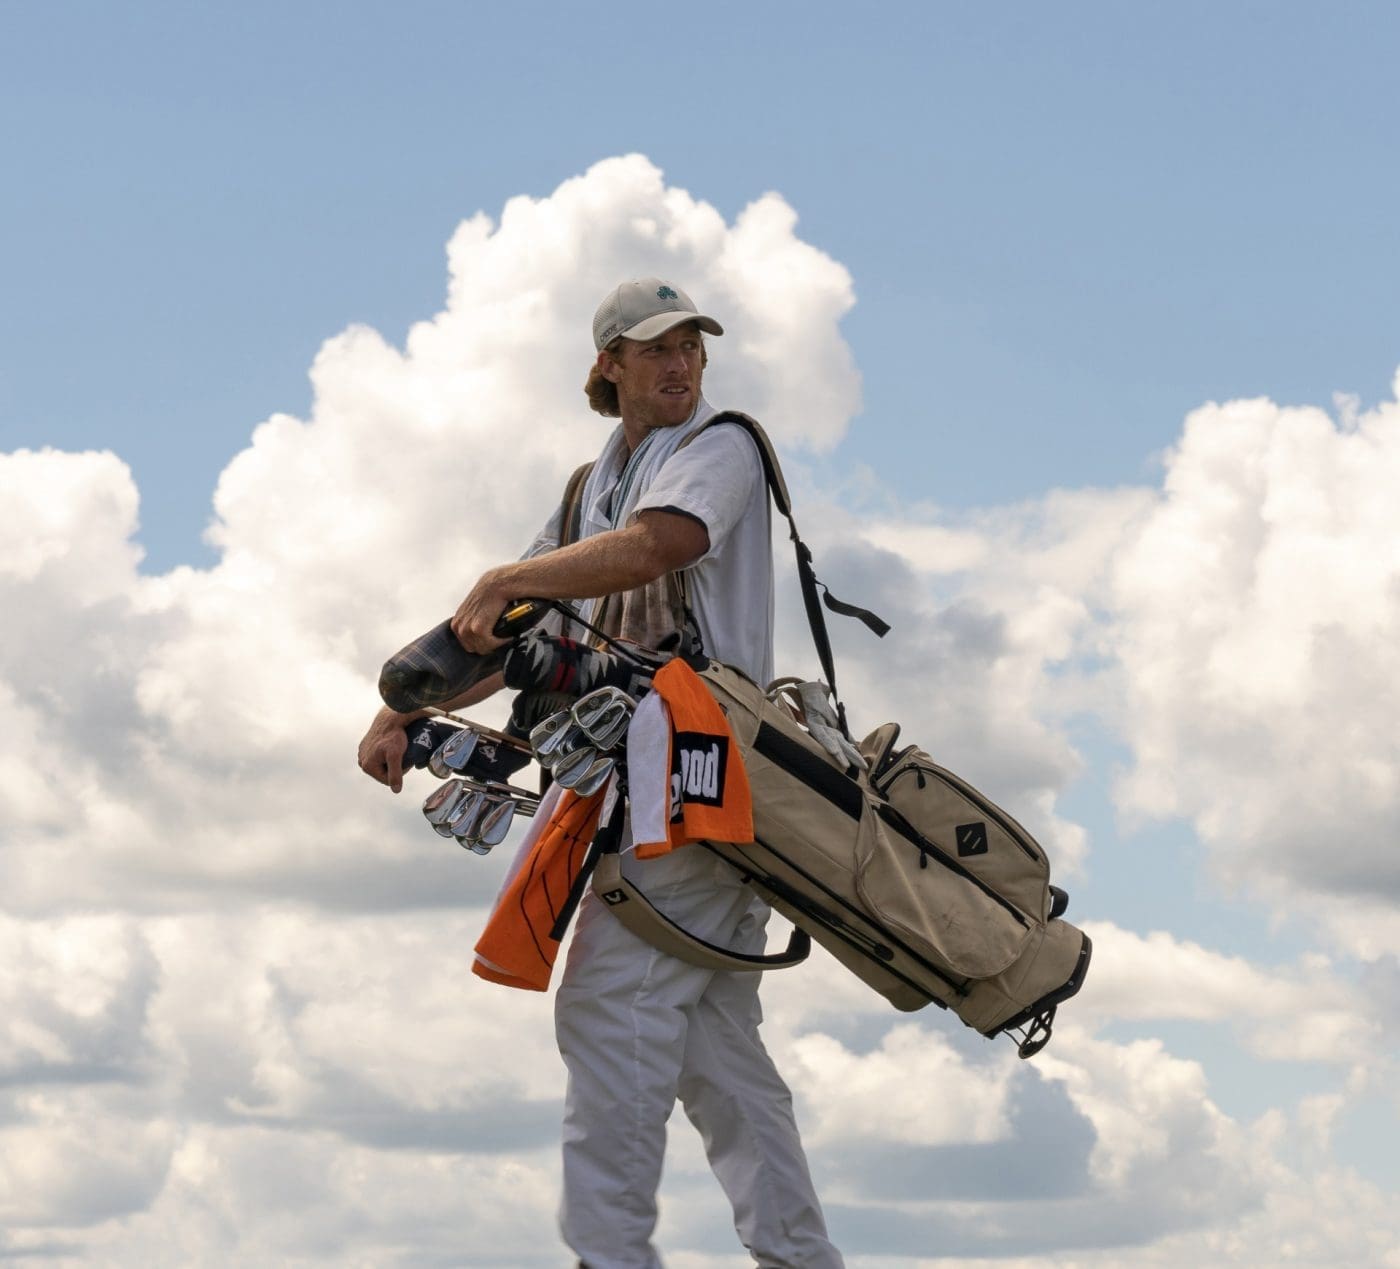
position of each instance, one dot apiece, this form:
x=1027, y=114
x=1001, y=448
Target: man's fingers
x=376, y=768
x=462, y=629
x=382, y=759
x=474, y=638
x=477, y=614
x=368, y=761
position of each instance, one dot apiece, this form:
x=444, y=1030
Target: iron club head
x=568, y=740
x=443, y=803
x=574, y=766
x=604, y=716
x=595, y=777
x=465, y=824
x=543, y=732
x=495, y=824
x=454, y=753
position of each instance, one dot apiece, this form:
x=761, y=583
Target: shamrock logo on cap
x=665, y=293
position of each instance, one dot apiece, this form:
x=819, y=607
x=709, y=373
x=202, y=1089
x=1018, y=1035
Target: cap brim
x=662, y=322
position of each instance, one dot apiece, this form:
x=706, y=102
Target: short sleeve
x=547, y=539
x=714, y=479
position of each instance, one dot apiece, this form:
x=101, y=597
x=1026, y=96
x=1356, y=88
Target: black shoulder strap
x=571, y=507
x=773, y=473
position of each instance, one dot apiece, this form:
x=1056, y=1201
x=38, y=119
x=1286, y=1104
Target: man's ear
x=608, y=366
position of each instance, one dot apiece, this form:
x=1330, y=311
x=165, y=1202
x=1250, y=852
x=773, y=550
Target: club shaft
x=490, y=733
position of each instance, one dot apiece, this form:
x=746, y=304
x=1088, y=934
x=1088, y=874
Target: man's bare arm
x=656, y=542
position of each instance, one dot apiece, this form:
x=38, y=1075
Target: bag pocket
x=932, y=902
x=988, y=842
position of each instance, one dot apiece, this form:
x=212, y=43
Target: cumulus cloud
x=271, y=1050
x=1300, y=1012
x=997, y=637
x=234, y=971
x=1235, y=630
x=1255, y=616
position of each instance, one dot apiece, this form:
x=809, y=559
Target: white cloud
x=196, y=747
x=849, y=1093
x=998, y=623
x=1255, y=616
x=69, y=1162
x=1300, y=1012
x=75, y=995
x=234, y=971
x=1237, y=630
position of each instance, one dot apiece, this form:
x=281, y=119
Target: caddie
x=636, y=1027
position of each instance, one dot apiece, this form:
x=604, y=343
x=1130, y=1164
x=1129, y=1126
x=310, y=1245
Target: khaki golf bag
x=912, y=879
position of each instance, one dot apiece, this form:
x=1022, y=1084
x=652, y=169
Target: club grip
x=519, y=615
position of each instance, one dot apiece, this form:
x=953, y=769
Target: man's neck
x=634, y=433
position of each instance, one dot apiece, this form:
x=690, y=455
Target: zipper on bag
x=851, y=934
x=995, y=814
x=927, y=849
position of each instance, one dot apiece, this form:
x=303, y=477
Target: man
x=636, y=1027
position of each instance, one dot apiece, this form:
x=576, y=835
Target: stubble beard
x=648, y=415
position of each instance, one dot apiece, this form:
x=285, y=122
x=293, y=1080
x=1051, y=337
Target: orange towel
x=709, y=789
x=516, y=949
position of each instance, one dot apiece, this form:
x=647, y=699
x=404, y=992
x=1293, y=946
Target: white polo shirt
x=717, y=479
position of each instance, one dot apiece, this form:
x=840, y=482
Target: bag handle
x=783, y=693
x=630, y=906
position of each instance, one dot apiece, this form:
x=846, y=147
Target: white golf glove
x=821, y=722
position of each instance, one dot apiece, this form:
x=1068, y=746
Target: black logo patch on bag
x=613, y=897
x=972, y=839
x=699, y=760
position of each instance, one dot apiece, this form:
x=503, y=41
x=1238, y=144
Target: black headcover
x=490, y=760
x=539, y=662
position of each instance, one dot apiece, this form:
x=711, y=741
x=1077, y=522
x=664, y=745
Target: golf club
x=495, y=824
x=465, y=821
x=543, y=735
x=604, y=716
x=452, y=756
x=485, y=732
x=559, y=744
x=595, y=777
x=443, y=803
x=574, y=766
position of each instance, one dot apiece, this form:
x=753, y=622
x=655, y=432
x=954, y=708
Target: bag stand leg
x=1036, y=1034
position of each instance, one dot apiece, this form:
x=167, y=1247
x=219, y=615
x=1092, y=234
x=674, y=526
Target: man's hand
x=382, y=749
x=479, y=612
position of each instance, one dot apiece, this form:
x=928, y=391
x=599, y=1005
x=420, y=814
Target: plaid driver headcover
x=434, y=668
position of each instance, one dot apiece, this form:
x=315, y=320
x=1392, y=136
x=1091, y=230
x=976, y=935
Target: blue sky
x=1067, y=224
x=1065, y=228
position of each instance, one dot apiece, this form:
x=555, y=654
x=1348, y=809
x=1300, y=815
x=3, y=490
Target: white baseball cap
x=644, y=309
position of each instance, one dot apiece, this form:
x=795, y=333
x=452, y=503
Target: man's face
x=658, y=382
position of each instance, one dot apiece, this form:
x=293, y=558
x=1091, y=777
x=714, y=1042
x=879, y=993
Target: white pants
x=638, y=1028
